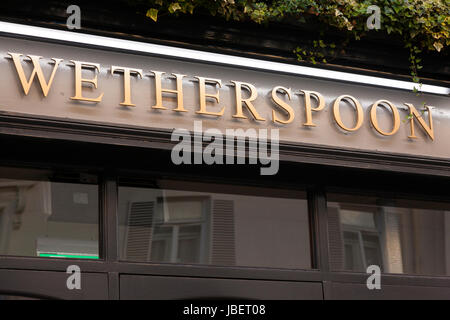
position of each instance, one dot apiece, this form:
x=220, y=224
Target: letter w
x=26, y=84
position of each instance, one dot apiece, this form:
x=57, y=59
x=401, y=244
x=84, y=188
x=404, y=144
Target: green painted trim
x=70, y=256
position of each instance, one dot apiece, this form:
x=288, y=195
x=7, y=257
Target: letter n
x=414, y=114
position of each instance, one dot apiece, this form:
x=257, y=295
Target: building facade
x=122, y=157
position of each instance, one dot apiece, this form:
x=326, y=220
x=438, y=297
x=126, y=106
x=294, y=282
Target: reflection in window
x=214, y=224
x=400, y=236
x=178, y=230
x=361, y=239
x=42, y=217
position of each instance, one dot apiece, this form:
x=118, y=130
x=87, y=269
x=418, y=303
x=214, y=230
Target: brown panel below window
x=354, y=291
x=163, y=288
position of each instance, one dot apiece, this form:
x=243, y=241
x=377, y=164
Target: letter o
x=395, y=114
x=359, y=113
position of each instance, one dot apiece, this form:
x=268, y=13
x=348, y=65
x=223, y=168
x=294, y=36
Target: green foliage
x=152, y=14
x=317, y=52
x=422, y=25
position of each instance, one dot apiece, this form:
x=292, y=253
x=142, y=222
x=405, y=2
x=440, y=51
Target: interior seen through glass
x=45, y=218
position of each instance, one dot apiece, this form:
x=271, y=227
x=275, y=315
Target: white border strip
x=135, y=46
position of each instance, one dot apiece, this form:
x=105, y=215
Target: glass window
x=195, y=223
x=48, y=215
x=399, y=236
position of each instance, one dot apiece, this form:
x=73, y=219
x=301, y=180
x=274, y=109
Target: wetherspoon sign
x=282, y=112
x=128, y=89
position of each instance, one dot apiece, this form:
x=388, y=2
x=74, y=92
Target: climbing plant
x=422, y=25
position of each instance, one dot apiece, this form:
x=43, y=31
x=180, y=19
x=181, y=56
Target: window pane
x=42, y=217
x=400, y=236
x=214, y=224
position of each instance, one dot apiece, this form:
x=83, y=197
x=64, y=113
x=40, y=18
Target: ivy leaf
x=438, y=46
x=190, y=7
x=152, y=14
x=174, y=7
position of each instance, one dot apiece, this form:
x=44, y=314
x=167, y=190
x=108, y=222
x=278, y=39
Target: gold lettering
x=126, y=83
x=178, y=91
x=395, y=114
x=283, y=105
x=309, y=109
x=202, y=95
x=79, y=80
x=248, y=102
x=415, y=114
x=337, y=114
x=26, y=84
